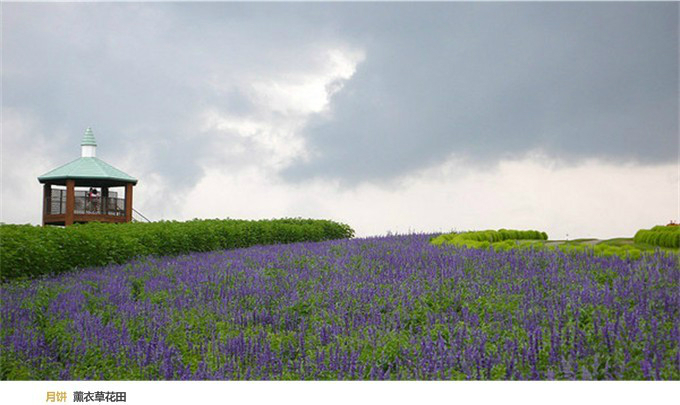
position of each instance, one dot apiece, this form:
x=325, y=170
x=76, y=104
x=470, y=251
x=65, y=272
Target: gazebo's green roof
x=87, y=168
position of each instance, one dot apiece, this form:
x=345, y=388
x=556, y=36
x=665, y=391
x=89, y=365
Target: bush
x=663, y=236
x=484, y=239
x=30, y=251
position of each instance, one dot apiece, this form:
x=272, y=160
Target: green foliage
x=604, y=249
x=502, y=239
x=646, y=242
x=663, y=236
x=29, y=251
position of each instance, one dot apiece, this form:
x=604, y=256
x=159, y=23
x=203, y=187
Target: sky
x=390, y=117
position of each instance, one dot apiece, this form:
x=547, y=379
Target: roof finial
x=88, y=147
x=88, y=139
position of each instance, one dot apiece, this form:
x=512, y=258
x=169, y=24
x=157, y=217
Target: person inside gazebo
x=93, y=199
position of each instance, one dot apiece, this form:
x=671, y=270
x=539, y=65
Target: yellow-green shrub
x=663, y=236
x=479, y=239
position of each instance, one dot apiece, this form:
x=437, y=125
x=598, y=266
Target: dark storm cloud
x=482, y=81
x=487, y=81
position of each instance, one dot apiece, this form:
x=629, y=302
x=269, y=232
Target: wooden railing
x=56, y=205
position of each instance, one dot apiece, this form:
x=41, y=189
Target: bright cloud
x=281, y=106
x=594, y=199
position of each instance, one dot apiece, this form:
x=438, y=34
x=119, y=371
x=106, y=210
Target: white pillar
x=88, y=151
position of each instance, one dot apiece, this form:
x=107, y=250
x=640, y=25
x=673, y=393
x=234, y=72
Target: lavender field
x=392, y=307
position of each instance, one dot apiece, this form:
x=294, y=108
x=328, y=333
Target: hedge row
x=482, y=239
x=664, y=236
x=29, y=251
x=624, y=251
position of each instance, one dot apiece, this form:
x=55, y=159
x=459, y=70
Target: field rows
x=394, y=307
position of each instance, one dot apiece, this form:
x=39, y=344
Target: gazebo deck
x=60, y=219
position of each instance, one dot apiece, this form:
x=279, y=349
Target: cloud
x=343, y=110
x=170, y=89
x=25, y=150
x=589, y=199
x=487, y=82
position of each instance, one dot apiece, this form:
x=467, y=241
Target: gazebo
x=81, y=191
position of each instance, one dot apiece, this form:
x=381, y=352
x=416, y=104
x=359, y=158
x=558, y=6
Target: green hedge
x=29, y=251
x=483, y=239
x=663, y=236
